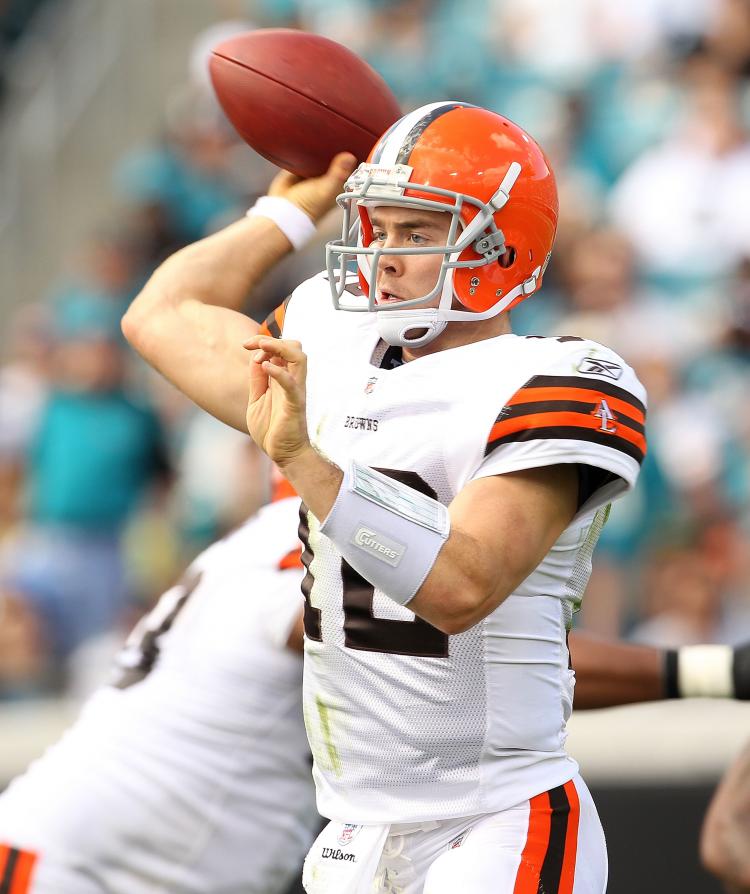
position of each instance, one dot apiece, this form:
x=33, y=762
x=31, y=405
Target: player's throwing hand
x=315, y=195
x=276, y=406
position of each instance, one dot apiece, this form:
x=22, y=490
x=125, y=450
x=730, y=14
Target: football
x=299, y=98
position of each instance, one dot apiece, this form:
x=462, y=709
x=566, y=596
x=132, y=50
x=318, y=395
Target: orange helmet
x=497, y=184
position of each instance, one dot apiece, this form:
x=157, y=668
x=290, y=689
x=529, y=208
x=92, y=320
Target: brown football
x=299, y=98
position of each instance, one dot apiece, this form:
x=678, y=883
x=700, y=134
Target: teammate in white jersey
x=439, y=592
x=171, y=778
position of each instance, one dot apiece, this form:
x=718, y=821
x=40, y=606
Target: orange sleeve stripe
x=16, y=869
x=293, y=559
x=582, y=395
x=541, y=421
x=274, y=322
x=567, y=876
x=21, y=881
x=535, y=849
x=280, y=315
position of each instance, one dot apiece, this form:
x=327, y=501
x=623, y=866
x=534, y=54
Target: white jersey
x=171, y=779
x=406, y=723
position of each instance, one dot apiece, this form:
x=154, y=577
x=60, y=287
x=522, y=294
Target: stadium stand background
x=113, y=154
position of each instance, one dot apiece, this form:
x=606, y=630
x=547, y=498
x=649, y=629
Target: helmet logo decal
x=378, y=182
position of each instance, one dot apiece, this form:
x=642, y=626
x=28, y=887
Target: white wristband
x=291, y=220
x=368, y=505
x=705, y=671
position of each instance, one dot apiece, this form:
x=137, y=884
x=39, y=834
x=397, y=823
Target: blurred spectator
x=95, y=452
x=728, y=37
x=678, y=202
x=15, y=17
x=695, y=590
x=209, y=504
x=23, y=386
x=681, y=603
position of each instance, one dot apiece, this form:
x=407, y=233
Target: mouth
x=386, y=297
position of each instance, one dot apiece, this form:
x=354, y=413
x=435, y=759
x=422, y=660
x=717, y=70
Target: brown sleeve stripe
x=548, y=860
x=597, y=386
x=567, y=426
x=16, y=867
x=273, y=324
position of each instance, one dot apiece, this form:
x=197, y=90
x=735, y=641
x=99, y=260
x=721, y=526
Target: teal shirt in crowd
x=91, y=459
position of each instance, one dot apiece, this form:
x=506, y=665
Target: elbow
x=459, y=624
x=141, y=319
x=722, y=850
x=459, y=610
x=131, y=326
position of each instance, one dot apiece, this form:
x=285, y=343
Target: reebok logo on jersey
x=335, y=853
x=591, y=366
x=379, y=546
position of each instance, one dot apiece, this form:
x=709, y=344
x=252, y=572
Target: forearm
x=320, y=483
x=612, y=673
x=316, y=479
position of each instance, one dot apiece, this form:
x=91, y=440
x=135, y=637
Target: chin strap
x=394, y=326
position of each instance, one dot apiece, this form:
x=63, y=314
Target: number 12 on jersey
x=362, y=630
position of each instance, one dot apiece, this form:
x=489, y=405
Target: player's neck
x=457, y=334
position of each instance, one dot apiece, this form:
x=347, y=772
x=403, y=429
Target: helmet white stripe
x=392, y=142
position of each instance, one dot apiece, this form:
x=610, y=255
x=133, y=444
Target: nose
x=391, y=265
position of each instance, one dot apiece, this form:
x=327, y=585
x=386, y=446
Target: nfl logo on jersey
x=348, y=833
x=370, y=385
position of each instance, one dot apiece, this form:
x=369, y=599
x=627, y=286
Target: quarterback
x=455, y=478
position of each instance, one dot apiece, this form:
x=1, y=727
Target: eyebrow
x=414, y=223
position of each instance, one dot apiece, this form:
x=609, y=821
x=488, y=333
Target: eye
x=416, y=239
x=378, y=236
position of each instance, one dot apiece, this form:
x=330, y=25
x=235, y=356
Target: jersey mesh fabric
x=579, y=579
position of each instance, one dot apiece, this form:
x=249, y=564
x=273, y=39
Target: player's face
x=400, y=277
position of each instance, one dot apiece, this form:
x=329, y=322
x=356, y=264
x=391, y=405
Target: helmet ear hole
x=507, y=258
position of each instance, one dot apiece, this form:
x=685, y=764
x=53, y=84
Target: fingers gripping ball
x=299, y=98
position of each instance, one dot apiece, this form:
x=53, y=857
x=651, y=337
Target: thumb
x=341, y=166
